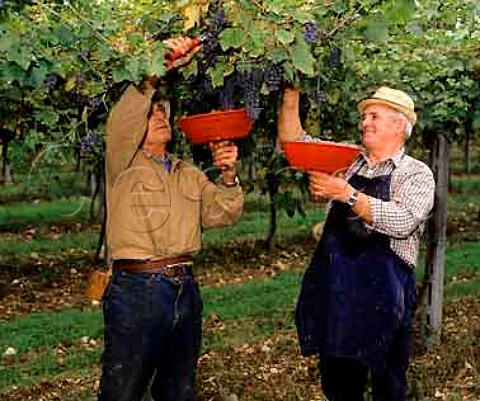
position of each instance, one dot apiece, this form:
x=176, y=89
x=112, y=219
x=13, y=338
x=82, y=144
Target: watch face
x=353, y=198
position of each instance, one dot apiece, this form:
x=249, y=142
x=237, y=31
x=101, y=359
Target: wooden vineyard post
x=437, y=240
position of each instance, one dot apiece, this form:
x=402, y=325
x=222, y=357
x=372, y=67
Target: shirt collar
x=395, y=159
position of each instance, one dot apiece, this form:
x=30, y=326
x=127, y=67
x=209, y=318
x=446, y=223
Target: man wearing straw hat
x=358, y=294
x=157, y=205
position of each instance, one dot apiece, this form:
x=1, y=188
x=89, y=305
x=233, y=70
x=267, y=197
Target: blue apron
x=356, y=294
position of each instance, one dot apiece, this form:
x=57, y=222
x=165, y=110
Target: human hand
x=224, y=156
x=185, y=46
x=326, y=186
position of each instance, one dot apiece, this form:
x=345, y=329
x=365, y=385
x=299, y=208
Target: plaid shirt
x=412, y=192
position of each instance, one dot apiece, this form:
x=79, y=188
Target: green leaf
x=333, y=97
x=157, y=63
x=302, y=59
x=134, y=66
x=12, y=72
x=37, y=75
x=302, y=17
x=288, y=73
x=190, y=70
x=63, y=35
x=252, y=48
x=120, y=74
x=257, y=33
x=47, y=116
x=21, y=55
x=106, y=53
x=277, y=55
x=401, y=11
x=136, y=39
x=217, y=74
x=377, y=31
x=284, y=37
x=231, y=37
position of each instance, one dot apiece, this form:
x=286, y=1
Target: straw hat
x=392, y=98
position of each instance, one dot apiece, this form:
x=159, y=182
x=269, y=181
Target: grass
x=21, y=215
x=14, y=251
x=46, y=183
x=465, y=185
x=254, y=225
x=248, y=312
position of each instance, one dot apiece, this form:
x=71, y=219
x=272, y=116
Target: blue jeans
x=153, y=329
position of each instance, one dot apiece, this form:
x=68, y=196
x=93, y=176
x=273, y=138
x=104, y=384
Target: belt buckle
x=172, y=270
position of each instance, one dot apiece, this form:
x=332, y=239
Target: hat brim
x=411, y=115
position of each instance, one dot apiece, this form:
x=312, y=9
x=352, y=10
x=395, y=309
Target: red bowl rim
x=327, y=143
x=213, y=114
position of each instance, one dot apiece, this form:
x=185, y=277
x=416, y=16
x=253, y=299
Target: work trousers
x=152, y=337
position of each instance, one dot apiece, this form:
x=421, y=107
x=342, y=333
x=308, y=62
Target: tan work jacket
x=151, y=213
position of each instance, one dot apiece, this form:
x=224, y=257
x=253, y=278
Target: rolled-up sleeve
x=409, y=206
x=221, y=205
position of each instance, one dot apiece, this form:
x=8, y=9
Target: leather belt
x=170, y=267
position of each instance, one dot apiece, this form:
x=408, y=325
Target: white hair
x=408, y=124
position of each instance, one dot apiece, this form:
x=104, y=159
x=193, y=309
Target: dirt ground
x=269, y=370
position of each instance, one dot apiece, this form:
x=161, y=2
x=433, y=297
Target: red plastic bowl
x=216, y=126
x=327, y=157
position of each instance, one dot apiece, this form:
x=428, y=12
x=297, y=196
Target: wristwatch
x=353, y=198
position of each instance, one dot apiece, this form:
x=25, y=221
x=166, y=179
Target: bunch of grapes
x=210, y=42
x=252, y=82
x=311, y=32
x=273, y=77
x=226, y=94
x=94, y=103
x=335, y=56
x=91, y=145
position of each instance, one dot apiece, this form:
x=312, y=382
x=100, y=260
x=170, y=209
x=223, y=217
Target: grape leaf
x=302, y=59
x=231, y=37
x=217, y=74
x=285, y=37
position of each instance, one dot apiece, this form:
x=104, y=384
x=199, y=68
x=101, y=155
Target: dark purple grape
x=226, y=94
x=210, y=45
x=95, y=102
x=86, y=54
x=51, y=81
x=335, y=56
x=210, y=49
x=2, y=3
x=219, y=18
x=252, y=82
x=273, y=77
x=311, y=32
x=91, y=144
x=320, y=96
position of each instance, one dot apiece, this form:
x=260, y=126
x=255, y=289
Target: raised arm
x=289, y=125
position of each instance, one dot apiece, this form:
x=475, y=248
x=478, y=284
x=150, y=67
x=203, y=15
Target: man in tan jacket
x=157, y=205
